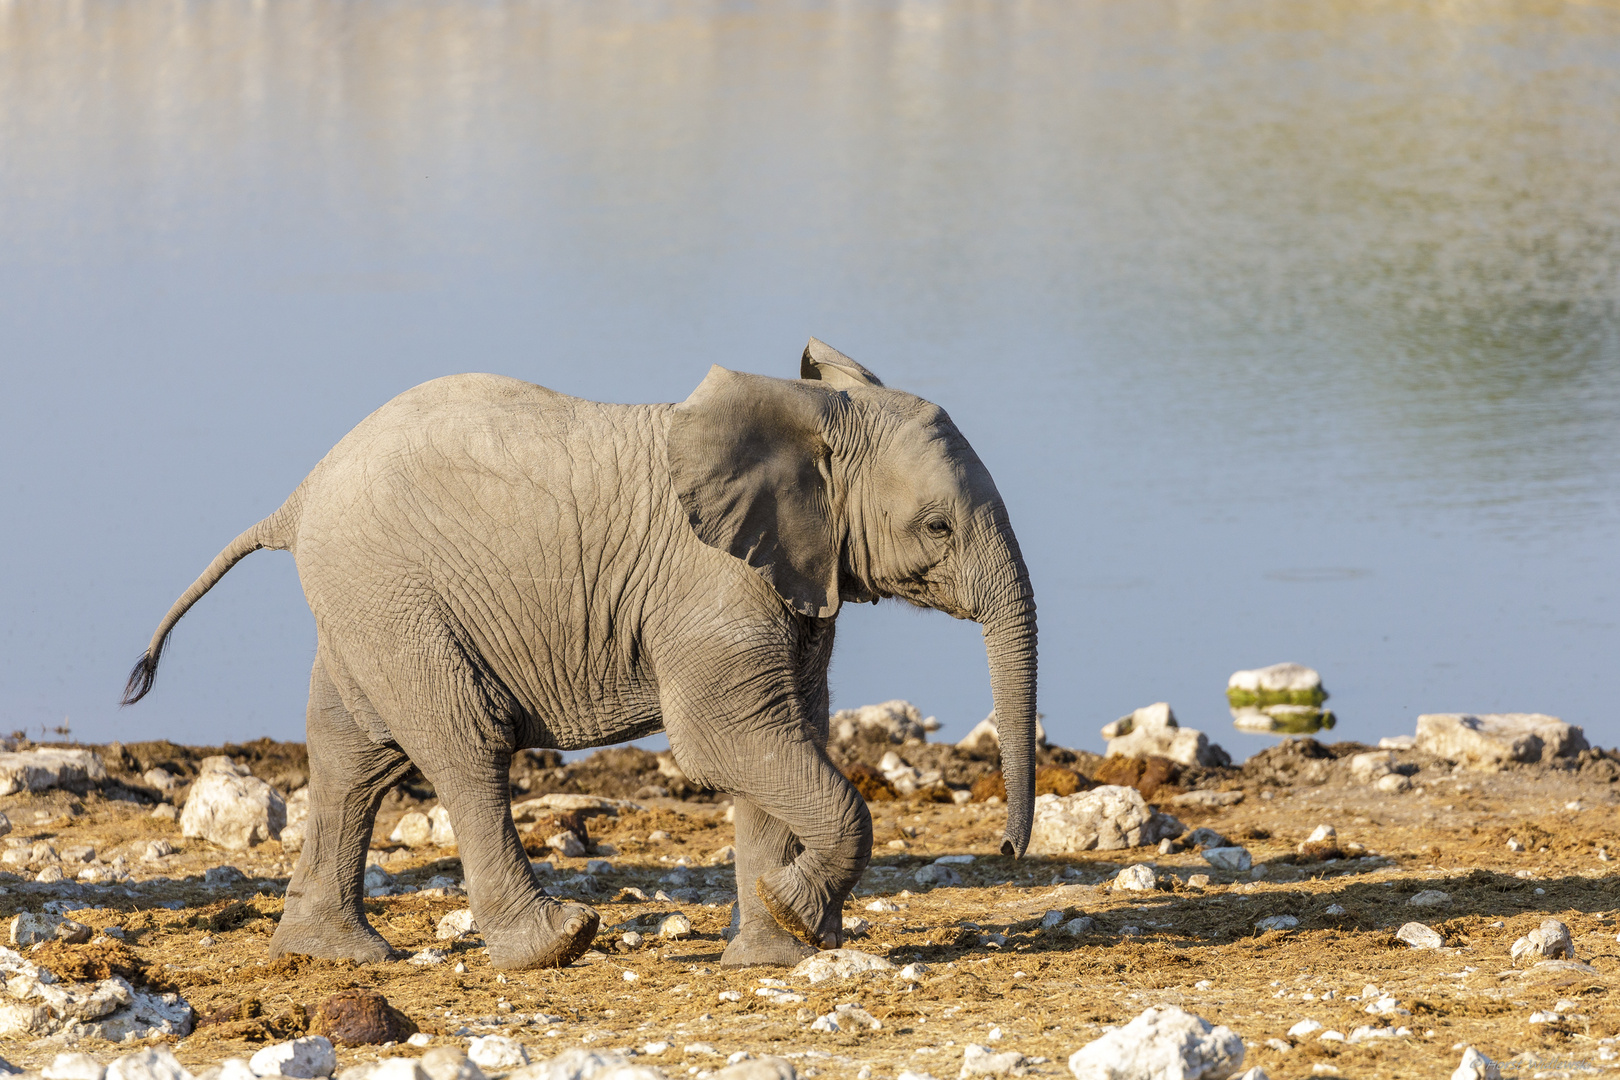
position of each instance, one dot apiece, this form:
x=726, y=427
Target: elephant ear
x=750, y=463
x=822, y=361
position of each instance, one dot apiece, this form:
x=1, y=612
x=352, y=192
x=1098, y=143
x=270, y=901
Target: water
x=1290, y=331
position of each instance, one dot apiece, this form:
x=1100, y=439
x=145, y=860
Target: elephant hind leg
x=764, y=844
x=348, y=776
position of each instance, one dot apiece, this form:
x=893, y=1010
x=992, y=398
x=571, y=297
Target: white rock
x=442, y=833
x=292, y=836
x=1278, y=678
x=1231, y=859
x=982, y=1061
x=153, y=1063
x=882, y=905
x=1476, y=1066
x=1051, y=919
x=1137, y=878
x=306, y=1058
x=415, y=830
x=1081, y=925
x=838, y=964
x=233, y=1068
x=1397, y=742
x=1429, y=898
x=585, y=1064
x=847, y=1018
x=74, y=1067
x=935, y=874
x=1161, y=1043
x=1256, y=1073
x=675, y=927
x=1419, y=936
x=455, y=924
x=298, y=806
x=566, y=844
x=1550, y=940
x=449, y=1063
x=892, y=721
x=234, y=812
x=759, y=1068
x=912, y=973
x=37, y=770
x=1277, y=922
x=145, y=1015
x=219, y=763
x=31, y=928
x=1107, y=818
x=1365, y=768
x=1335, y=909
x=1321, y=833
x=1393, y=783
x=855, y=926
x=162, y=779
x=1207, y=800
x=429, y=957
x=497, y=1053
x=1489, y=741
x=386, y=1069
x=777, y=996
x=1152, y=730
x=1304, y=1028
x=725, y=856
x=907, y=1074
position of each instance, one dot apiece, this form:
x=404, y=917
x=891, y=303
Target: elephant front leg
x=522, y=926
x=764, y=844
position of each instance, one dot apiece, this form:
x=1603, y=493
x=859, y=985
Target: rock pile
x=1152, y=731
x=1283, y=699
x=38, y=1004
x=897, y=722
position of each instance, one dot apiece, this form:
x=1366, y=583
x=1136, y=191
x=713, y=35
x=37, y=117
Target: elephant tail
x=274, y=532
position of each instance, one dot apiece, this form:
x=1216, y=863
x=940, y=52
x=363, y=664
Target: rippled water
x=1289, y=331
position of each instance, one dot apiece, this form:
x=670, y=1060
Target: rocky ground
x=1034, y=957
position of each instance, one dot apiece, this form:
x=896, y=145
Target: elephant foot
x=556, y=936
x=765, y=945
x=791, y=905
x=329, y=937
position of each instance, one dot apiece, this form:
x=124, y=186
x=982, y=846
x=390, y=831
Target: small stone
x=31, y=928
x=50, y=875
x=1051, y=919
x=1321, y=833
x=1231, y=859
x=724, y=856
x=982, y=1061
x=729, y=995
x=1277, y=922
x=1083, y=924
x=429, y=957
x=838, y=964
x=1335, y=909
x=883, y=905
x=233, y=1068
x=153, y=1063
x=497, y=1053
x=305, y=1058
x=598, y=866
x=1419, y=936
x=1429, y=898
x=849, y=1018
x=676, y=927
x=386, y=1069
x=165, y=812
x=1161, y=1042
x=1393, y=783
x=1137, y=878
x=937, y=875
x=1550, y=940
x=421, y=1038
x=1515, y=845
x=749, y=1068
x=566, y=844
x=450, y=1063
x=912, y=973
x=1304, y=1028
x=1476, y=1066
x=1198, y=881
x=74, y=1067
x=632, y=939
x=455, y=924
x=855, y=926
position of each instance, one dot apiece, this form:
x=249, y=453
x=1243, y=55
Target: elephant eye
x=938, y=528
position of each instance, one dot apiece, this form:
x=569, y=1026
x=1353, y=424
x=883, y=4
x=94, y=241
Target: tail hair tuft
x=141, y=677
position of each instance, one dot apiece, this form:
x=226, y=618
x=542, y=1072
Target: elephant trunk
x=1008, y=616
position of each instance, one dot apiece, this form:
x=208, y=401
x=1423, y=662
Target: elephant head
x=836, y=488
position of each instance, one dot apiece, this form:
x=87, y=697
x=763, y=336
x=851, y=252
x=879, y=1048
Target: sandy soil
x=991, y=965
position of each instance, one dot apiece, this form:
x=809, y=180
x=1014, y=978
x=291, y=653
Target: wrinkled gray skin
x=494, y=566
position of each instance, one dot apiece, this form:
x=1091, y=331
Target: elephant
x=495, y=566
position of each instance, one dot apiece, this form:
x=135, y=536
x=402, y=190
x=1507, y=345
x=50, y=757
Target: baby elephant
x=494, y=566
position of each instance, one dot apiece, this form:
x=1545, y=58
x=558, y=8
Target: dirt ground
x=994, y=977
